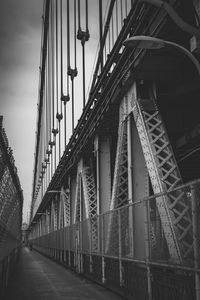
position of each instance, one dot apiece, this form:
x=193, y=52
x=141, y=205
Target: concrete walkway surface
x=38, y=278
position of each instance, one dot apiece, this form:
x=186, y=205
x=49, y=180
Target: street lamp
x=148, y=42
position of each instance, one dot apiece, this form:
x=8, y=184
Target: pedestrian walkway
x=38, y=278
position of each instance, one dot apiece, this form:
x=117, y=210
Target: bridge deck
x=37, y=277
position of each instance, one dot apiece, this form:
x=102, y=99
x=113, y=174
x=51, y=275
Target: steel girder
x=174, y=209
x=85, y=186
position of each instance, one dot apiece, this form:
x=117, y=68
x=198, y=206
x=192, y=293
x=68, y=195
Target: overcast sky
x=20, y=37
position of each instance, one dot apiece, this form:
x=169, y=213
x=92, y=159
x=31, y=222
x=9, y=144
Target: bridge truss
x=99, y=153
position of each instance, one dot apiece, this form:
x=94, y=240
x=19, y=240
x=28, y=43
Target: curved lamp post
x=148, y=42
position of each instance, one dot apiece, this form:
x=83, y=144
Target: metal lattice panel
x=89, y=190
x=164, y=175
x=67, y=214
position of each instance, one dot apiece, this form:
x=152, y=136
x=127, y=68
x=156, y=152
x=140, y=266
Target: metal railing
x=133, y=257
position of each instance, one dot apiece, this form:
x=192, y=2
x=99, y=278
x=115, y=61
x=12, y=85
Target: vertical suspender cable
x=83, y=36
x=70, y=71
x=61, y=70
x=83, y=53
x=52, y=49
x=75, y=54
x=46, y=125
x=117, y=30
x=109, y=39
x=65, y=108
x=53, y=87
x=121, y=13
x=49, y=151
x=48, y=114
x=73, y=71
x=86, y=17
x=105, y=51
x=47, y=108
x=79, y=16
x=68, y=37
x=100, y=33
x=56, y=83
x=56, y=33
x=59, y=115
x=50, y=98
x=83, y=46
x=112, y=26
x=61, y=56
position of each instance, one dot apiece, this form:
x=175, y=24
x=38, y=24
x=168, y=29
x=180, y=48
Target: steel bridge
x=11, y=202
x=116, y=174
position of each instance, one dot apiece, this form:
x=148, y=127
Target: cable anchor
x=65, y=98
x=59, y=117
x=51, y=143
x=54, y=131
x=83, y=36
x=72, y=72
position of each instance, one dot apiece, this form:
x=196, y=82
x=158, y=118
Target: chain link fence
x=131, y=252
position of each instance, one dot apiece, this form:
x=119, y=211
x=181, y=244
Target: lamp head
x=144, y=42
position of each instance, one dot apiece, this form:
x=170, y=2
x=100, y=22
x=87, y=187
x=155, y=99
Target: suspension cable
x=121, y=12
x=56, y=33
x=75, y=51
x=117, y=30
x=52, y=49
x=61, y=55
x=68, y=37
x=83, y=36
x=126, y=7
x=86, y=12
x=112, y=27
x=100, y=33
x=79, y=15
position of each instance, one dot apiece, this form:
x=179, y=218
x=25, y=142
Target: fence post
x=195, y=240
x=90, y=244
x=70, y=231
x=120, y=248
x=147, y=247
x=81, y=246
x=102, y=249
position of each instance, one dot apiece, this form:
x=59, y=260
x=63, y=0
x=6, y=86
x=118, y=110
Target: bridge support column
x=103, y=164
